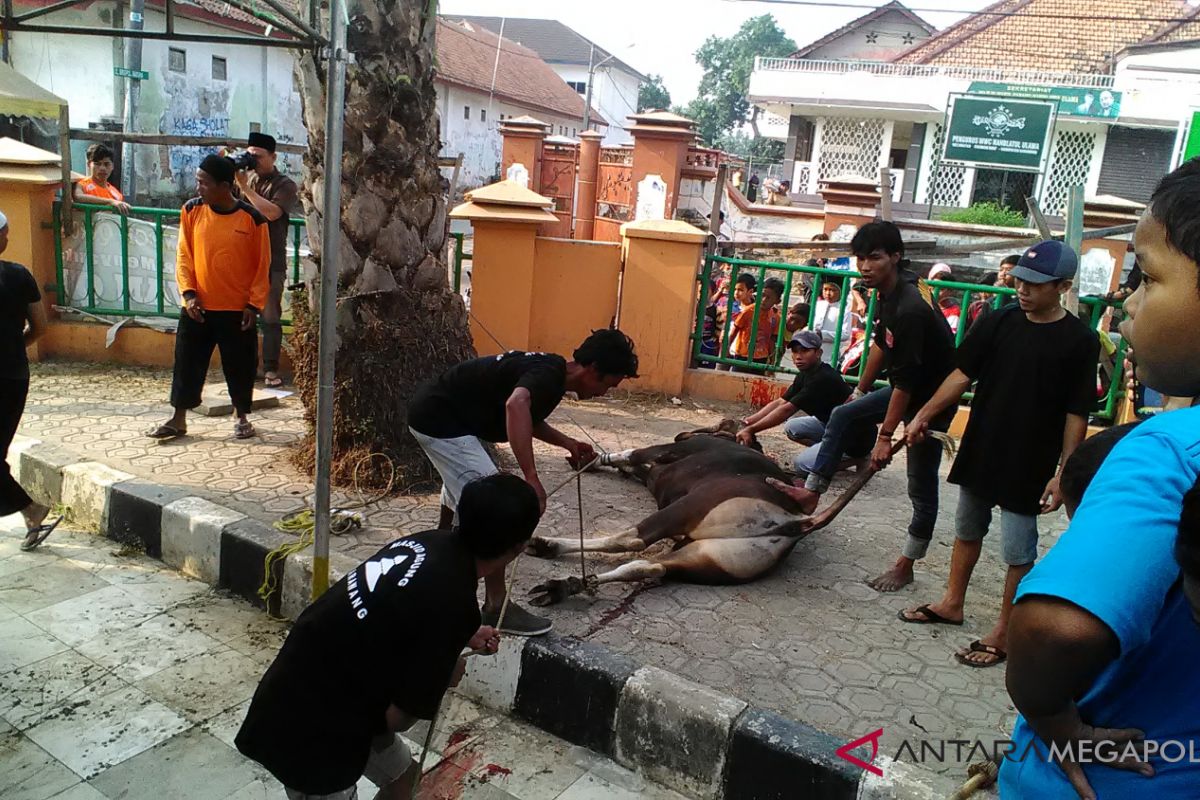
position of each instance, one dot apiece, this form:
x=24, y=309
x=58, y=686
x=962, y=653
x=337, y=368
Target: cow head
x=725, y=429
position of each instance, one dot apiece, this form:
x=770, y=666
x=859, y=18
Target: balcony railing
x=884, y=68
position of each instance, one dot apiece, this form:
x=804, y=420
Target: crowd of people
x=1099, y=637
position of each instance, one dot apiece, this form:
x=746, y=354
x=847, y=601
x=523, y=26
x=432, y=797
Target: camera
x=245, y=160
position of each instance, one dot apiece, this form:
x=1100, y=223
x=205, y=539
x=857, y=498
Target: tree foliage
x=758, y=149
x=721, y=105
x=653, y=94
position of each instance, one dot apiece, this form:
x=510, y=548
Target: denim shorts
x=1018, y=532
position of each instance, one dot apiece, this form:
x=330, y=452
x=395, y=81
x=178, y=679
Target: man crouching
x=380, y=648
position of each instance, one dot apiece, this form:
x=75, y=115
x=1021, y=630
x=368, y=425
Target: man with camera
x=273, y=195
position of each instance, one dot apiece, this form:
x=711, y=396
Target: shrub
x=989, y=213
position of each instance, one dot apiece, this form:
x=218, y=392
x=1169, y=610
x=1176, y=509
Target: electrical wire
x=1194, y=17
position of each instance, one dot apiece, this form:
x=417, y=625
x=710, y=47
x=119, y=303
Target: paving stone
x=657, y=712
x=191, y=536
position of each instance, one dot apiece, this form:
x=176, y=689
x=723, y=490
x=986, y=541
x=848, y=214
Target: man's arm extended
x=265, y=207
x=950, y=392
x=777, y=413
x=763, y=412
x=1074, y=432
x=519, y=423
x=1055, y=652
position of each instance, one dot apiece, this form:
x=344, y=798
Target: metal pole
x=1074, y=240
x=587, y=100
x=133, y=61
x=331, y=233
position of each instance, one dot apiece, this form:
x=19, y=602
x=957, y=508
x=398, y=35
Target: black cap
x=220, y=168
x=265, y=141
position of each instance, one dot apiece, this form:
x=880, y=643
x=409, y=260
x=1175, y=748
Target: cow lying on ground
x=729, y=524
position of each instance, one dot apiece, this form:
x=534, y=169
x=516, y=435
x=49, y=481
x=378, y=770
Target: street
x=121, y=679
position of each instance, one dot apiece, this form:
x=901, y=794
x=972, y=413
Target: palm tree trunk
x=398, y=321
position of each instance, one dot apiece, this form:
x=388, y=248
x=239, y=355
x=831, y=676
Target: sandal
x=37, y=535
x=931, y=617
x=243, y=430
x=273, y=383
x=979, y=647
x=166, y=431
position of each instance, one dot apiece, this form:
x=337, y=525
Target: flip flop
x=273, y=383
x=931, y=617
x=166, y=431
x=40, y=534
x=979, y=647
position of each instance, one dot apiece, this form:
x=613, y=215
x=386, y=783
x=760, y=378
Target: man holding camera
x=273, y=195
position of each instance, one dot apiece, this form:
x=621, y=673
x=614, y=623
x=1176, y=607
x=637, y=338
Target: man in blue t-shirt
x=1102, y=645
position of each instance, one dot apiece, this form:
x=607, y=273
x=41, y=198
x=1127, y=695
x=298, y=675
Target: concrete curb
x=684, y=735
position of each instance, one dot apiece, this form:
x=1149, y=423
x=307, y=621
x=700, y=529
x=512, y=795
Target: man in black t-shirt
x=814, y=394
x=507, y=398
x=914, y=344
x=1035, y=368
x=379, y=649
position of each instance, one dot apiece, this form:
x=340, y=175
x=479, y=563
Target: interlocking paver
x=810, y=640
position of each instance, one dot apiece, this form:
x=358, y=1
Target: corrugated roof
x=1077, y=40
x=865, y=19
x=466, y=55
x=553, y=41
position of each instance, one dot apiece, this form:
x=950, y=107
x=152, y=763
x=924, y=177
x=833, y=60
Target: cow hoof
x=542, y=547
x=555, y=591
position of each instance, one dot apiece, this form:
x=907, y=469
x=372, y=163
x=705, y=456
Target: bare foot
x=807, y=498
x=35, y=514
x=895, y=579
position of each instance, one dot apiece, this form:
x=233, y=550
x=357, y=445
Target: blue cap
x=1045, y=262
x=806, y=340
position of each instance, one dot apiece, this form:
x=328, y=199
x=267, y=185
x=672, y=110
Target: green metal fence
x=127, y=304
x=1092, y=311
x=459, y=258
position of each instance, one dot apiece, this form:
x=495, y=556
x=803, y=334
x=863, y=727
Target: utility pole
x=133, y=61
x=587, y=102
x=331, y=235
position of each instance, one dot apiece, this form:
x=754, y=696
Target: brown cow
x=730, y=525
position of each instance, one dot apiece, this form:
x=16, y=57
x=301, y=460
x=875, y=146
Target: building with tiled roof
x=1114, y=81
x=878, y=35
x=482, y=80
x=572, y=55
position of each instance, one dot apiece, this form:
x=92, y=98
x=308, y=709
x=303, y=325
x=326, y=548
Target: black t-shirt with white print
x=388, y=632
x=469, y=398
x=818, y=391
x=918, y=346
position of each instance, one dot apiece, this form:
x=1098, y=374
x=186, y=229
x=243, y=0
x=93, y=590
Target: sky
x=661, y=36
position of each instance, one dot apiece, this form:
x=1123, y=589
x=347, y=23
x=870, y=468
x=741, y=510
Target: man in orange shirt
x=95, y=188
x=222, y=269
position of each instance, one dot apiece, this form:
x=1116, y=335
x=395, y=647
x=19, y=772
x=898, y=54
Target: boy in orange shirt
x=768, y=319
x=95, y=188
x=222, y=269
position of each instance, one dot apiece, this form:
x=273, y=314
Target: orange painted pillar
x=660, y=147
x=849, y=201
x=523, y=140
x=658, y=299
x=504, y=217
x=585, y=194
x=31, y=177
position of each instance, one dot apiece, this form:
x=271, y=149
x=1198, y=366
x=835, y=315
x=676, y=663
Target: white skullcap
x=3, y=220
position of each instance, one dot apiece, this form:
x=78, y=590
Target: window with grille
x=176, y=59
x=218, y=68
x=850, y=146
x=944, y=184
x=1070, y=165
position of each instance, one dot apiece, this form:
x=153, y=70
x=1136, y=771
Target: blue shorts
x=1018, y=532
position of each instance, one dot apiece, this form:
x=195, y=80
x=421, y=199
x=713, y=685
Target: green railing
x=1092, y=310
x=459, y=258
x=86, y=217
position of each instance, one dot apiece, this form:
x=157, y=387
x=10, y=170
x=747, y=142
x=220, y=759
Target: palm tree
x=399, y=323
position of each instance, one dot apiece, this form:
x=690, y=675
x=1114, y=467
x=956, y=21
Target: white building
x=854, y=117
x=513, y=82
x=615, y=84
x=193, y=88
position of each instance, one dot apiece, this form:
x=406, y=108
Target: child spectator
x=1102, y=635
x=826, y=322
x=768, y=320
x=95, y=188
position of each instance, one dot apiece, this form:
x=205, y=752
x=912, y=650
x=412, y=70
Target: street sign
x=998, y=132
x=1191, y=148
x=1073, y=101
x=133, y=74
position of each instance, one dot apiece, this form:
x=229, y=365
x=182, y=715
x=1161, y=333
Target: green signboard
x=1073, y=101
x=135, y=74
x=1191, y=148
x=998, y=132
